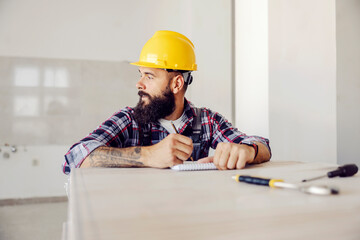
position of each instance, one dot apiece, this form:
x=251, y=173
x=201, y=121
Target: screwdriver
x=279, y=183
x=347, y=170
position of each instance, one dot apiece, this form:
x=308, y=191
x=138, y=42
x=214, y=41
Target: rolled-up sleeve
x=77, y=153
x=113, y=132
x=223, y=131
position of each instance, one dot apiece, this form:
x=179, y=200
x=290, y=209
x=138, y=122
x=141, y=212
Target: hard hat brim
x=152, y=65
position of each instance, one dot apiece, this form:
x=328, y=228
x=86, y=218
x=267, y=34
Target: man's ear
x=177, y=83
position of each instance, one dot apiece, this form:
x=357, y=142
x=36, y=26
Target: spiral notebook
x=194, y=167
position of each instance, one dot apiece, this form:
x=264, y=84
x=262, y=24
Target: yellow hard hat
x=168, y=50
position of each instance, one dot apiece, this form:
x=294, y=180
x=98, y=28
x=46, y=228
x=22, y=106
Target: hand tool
x=347, y=170
x=279, y=183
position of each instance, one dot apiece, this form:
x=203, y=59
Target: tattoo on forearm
x=116, y=157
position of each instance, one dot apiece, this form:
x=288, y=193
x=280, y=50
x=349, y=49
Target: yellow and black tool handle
x=257, y=180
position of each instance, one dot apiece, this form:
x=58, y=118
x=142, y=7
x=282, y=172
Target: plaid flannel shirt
x=121, y=130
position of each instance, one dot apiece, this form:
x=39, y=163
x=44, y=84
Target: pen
x=178, y=133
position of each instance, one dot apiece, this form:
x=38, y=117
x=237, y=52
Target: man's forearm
x=114, y=157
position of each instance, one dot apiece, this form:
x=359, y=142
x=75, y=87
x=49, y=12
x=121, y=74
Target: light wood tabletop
x=144, y=203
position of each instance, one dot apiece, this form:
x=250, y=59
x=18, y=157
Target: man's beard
x=158, y=107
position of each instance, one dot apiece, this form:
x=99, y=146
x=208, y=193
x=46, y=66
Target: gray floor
x=32, y=221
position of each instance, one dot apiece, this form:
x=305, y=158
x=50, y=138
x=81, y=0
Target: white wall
x=302, y=80
x=102, y=31
x=114, y=30
x=348, y=80
x=252, y=74
x=286, y=76
x=32, y=171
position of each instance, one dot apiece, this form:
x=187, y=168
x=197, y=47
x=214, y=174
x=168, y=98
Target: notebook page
x=194, y=167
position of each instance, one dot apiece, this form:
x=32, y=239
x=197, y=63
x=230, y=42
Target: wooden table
x=139, y=203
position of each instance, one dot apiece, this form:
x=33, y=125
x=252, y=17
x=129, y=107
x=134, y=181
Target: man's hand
x=172, y=150
x=231, y=156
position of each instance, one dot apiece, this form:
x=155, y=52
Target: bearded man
x=165, y=129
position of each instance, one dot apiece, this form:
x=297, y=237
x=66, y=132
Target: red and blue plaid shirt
x=121, y=130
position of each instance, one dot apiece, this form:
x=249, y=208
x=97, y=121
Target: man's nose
x=140, y=84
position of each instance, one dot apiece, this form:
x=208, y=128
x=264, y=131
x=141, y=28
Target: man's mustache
x=141, y=93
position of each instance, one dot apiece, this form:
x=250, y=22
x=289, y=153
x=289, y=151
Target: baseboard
x=35, y=200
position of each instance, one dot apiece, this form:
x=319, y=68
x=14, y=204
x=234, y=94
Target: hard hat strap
x=186, y=75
